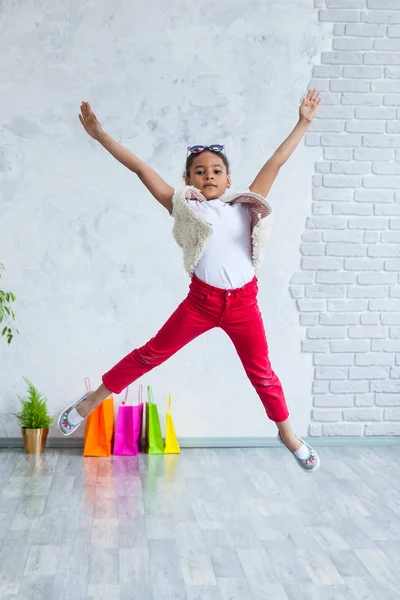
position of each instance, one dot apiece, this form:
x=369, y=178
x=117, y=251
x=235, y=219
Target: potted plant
x=6, y=312
x=34, y=420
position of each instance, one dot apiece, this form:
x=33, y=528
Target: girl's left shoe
x=309, y=464
x=64, y=425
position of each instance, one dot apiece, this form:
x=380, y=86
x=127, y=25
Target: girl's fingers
x=90, y=113
x=313, y=96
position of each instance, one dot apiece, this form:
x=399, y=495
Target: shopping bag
x=99, y=429
x=153, y=439
x=171, y=441
x=128, y=430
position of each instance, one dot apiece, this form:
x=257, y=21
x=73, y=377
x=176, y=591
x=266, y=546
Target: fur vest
x=192, y=233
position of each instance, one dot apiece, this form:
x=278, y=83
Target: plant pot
x=34, y=440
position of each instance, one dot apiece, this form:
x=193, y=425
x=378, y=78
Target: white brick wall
x=348, y=288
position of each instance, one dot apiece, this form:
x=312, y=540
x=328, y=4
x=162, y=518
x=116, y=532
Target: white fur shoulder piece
x=190, y=232
x=259, y=239
x=261, y=222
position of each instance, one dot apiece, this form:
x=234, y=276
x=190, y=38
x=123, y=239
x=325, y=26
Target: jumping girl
x=223, y=238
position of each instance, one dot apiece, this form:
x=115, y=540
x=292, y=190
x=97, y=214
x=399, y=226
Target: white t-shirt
x=226, y=262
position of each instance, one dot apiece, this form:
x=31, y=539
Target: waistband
x=248, y=288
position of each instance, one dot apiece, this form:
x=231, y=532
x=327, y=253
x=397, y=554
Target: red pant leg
x=245, y=327
x=184, y=325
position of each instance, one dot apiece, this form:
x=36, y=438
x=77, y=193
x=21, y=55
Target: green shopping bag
x=153, y=443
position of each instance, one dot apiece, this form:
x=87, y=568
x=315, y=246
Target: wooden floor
x=207, y=525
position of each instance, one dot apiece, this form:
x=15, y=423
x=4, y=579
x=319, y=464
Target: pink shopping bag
x=128, y=431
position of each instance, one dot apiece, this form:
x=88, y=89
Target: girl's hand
x=310, y=105
x=89, y=121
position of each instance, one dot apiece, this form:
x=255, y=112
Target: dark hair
x=191, y=157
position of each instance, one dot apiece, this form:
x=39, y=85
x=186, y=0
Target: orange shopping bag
x=99, y=430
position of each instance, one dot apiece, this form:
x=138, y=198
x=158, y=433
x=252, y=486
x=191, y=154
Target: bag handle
x=150, y=394
x=140, y=396
x=87, y=383
x=125, y=396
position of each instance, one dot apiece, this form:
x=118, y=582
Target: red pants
x=206, y=307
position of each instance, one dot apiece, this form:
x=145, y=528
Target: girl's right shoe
x=64, y=425
x=309, y=464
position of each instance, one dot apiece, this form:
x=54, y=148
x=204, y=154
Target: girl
x=222, y=238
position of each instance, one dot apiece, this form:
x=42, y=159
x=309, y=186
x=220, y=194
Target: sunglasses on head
x=200, y=148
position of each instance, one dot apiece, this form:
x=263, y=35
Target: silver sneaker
x=309, y=464
x=64, y=425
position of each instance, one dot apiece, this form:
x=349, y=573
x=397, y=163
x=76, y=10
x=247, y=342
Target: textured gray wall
x=348, y=290
x=88, y=252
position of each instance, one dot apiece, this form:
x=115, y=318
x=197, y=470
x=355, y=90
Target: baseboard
x=245, y=442
x=272, y=442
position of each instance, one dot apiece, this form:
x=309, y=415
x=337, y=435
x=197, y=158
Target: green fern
x=7, y=314
x=33, y=413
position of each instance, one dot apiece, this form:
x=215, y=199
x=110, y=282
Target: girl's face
x=208, y=174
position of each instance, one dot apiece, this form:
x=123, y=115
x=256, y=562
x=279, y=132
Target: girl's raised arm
x=161, y=191
x=307, y=112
